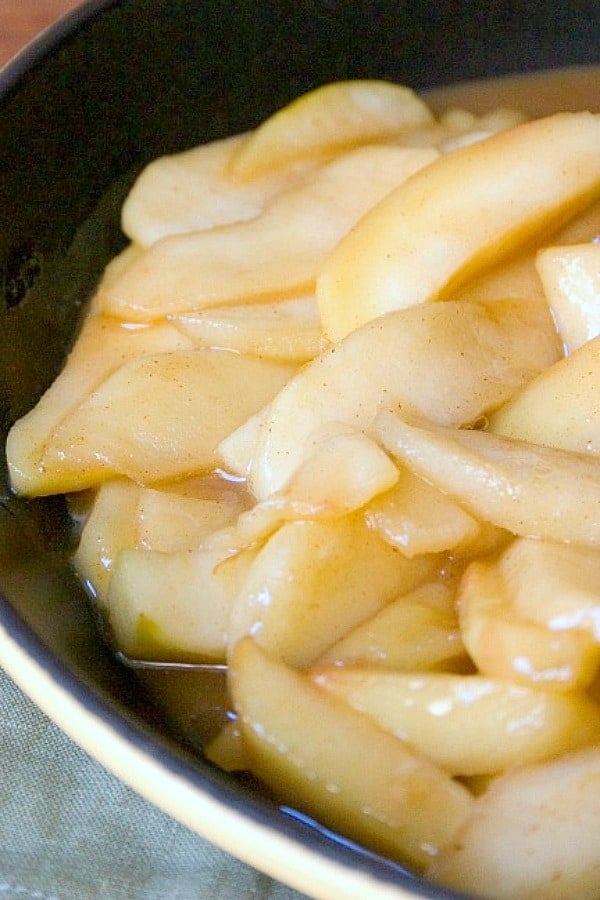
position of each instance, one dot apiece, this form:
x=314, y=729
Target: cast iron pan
x=112, y=86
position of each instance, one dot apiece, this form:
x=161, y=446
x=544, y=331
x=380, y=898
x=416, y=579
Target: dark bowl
x=111, y=86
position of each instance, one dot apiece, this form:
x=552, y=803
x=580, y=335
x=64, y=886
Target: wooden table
x=22, y=20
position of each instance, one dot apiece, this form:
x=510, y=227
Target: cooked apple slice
x=417, y=632
x=571, y=279
x=505, y=644
x=583, y=228
x=557, y=585
x=467, y=724
x=317, y=753
x=176, y=606
x=288, y=330
x=158, y=417
x=191, y=191
x=274, y=255
x=457, y=127
x=450, y=362
x=527, y=489
x=458, y=216
x=315, y=580
x=103, y=345
x=560, y=407
x=325, y=121
x=169, y=521
x=518, y=276
x=533, y=833
x=417, y=518
x=479, y=128
x=341, y=475
x=125, y=515
x=110, y=527
x=235, y=452
x=114, y=268
x=512, y=278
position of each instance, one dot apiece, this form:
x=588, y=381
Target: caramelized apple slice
x=125, y=515
x=174, y=519
x=445, y=224
x=315, y=580
x=557, y=585
x=417, y=632
x=450, y=362
x=417, y=518
x=339, y=477
x=156, y=418
x=505, y=644
x=176, y=606
x=467, y=724
x=101, y=348
x=518, y=276
x=191, y=191
x=571, y=279
x=277, y=254
x=533, y=833
x=110, y=527
x=319, y=754
x=287, y=330
x=324, y=121
x=560, y=407
x=527, y=489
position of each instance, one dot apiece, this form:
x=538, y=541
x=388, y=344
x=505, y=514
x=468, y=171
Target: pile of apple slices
x=333, y=415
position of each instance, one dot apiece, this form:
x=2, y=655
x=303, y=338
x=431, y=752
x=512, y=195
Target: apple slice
x=317, y=753
x=288, y=330
x=114, y=268
x=417, y=518
x=191, y=191
x=571, y=279
x=329, y=119
x=458, y=216
x=505, y=644
x=557, y=585
x=168, y=521
x=560, y=407
x=103, y=345
x=313, y=581
x=340, y=476
x=527, y=489
x=450, y=362
x=277, y=254
x=518, y=276
x=176, y=606
x=125, y=515
x=467, y=724
x=156, y=418
x=479, y=128
x=235, y=452
x=533, y=833
x=110, y=527
x=417, y=632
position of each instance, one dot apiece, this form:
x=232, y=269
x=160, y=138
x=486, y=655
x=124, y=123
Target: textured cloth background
x=71, y=831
